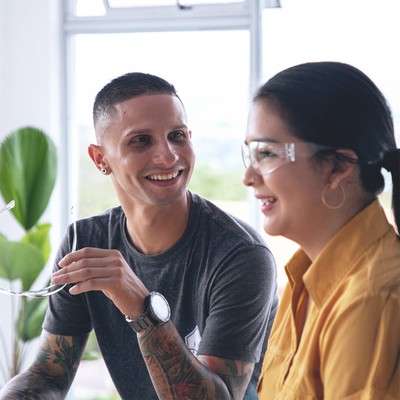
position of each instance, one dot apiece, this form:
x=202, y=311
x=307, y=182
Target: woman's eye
x=264, y=153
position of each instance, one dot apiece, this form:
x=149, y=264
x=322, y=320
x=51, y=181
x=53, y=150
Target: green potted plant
x=28, y=170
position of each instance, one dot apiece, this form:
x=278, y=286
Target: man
x=167, y=280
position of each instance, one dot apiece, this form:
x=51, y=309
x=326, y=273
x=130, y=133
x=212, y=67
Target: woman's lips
x=267, y=203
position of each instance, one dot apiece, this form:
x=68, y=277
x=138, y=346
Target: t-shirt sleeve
x=66, y=314
x=242, y=305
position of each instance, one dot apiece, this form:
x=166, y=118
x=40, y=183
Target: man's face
x=146, y=146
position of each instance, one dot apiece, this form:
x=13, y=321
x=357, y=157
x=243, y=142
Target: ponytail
x=391, y=162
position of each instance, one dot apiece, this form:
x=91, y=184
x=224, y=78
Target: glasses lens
x=246, y=155
x=266, y=157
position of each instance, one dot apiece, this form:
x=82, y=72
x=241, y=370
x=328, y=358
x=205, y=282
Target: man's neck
x=153, y=230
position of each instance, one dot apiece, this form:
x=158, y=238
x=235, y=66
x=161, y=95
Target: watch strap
x=140, y=324
x=147, y=320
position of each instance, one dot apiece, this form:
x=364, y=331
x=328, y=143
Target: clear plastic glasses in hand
x=47, y=291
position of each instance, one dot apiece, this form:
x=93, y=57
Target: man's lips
x=163, y=176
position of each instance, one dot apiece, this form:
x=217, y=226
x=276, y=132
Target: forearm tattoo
x=177, y=374
x=52, y=373
x=237, y=376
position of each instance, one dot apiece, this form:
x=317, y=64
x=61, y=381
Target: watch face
x=160, y=307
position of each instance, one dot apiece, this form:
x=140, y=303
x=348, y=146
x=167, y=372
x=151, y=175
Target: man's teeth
x=163, y=177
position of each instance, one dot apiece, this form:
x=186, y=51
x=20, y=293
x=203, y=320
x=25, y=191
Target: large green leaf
x=20, y=261
x=30, y=324
x=28, y=169
x=40, y=238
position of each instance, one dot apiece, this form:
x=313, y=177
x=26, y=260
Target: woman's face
x=290, y=194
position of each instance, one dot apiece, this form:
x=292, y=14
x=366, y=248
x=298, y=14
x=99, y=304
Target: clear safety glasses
x=47, y=291
x=265, y=156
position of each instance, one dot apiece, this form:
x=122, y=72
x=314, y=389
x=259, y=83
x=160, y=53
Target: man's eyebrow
x=146, y=131
x=136, y=131
x=183, y=126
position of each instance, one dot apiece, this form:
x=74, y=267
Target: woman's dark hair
x=336, y=105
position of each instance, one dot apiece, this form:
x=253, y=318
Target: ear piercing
x=104, y=170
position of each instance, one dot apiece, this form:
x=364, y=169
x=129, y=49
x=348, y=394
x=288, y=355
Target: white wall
x=29, y=95
x=29, y=76
x=28, y=63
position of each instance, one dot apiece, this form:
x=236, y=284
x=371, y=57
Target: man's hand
x=106, y=270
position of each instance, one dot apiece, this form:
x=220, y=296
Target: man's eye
x=140, y=140
x=178, y=135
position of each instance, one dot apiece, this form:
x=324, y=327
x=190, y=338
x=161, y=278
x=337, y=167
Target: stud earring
x=104, y=170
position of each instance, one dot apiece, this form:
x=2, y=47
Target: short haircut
x=125, y=87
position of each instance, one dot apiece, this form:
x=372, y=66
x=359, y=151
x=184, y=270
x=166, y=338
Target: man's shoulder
x=228, y=224
x=100, y=226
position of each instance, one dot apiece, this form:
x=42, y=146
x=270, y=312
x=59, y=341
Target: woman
x=318, y=136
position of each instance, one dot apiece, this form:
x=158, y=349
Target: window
x=214, y=90
x=211, y=62
x=210, y=53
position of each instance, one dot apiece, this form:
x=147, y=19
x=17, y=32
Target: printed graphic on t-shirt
x=193, y=340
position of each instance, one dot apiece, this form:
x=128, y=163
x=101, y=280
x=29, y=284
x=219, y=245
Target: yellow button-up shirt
x=349, y=345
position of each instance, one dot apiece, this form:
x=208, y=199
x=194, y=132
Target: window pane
x=214, y=89
x=86, y=8
x=363, y=33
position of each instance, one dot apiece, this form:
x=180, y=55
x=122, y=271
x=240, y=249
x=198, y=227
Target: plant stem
x=4, y=366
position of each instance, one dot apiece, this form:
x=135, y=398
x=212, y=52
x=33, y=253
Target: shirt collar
x=350, y=243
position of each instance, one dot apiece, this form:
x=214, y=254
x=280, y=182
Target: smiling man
x=180, y=294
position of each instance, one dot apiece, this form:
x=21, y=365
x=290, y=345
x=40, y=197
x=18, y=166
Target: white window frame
x=246, y=15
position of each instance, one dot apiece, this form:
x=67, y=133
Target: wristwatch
x=156, y=313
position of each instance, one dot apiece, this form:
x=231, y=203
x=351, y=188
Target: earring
x=104, y=170
x=335, y=207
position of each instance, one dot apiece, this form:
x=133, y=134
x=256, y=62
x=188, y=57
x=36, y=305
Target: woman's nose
x=250, y=176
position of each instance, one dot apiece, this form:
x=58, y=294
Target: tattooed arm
x=177, y=374
x=51, y=374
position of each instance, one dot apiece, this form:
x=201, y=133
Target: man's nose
x=165, y=153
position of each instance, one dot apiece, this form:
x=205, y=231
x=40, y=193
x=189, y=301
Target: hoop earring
x=333, y=207
x=104, y=170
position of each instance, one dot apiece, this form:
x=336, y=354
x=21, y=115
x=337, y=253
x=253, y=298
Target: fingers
x=87, y=252
x=88, y=264
x=81, y=272
x=106, y=270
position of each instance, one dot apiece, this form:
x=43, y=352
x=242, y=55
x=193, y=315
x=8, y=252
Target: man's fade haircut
x=125, y=87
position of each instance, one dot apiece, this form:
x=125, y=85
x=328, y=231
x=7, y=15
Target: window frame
x=227, y=16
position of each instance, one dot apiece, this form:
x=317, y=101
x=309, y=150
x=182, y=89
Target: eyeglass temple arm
x=290, y=152
x=8, y=206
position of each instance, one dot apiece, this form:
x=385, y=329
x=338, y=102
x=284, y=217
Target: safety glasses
x=266, y=156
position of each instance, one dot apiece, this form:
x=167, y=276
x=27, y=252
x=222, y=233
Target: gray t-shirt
x=219, y=279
